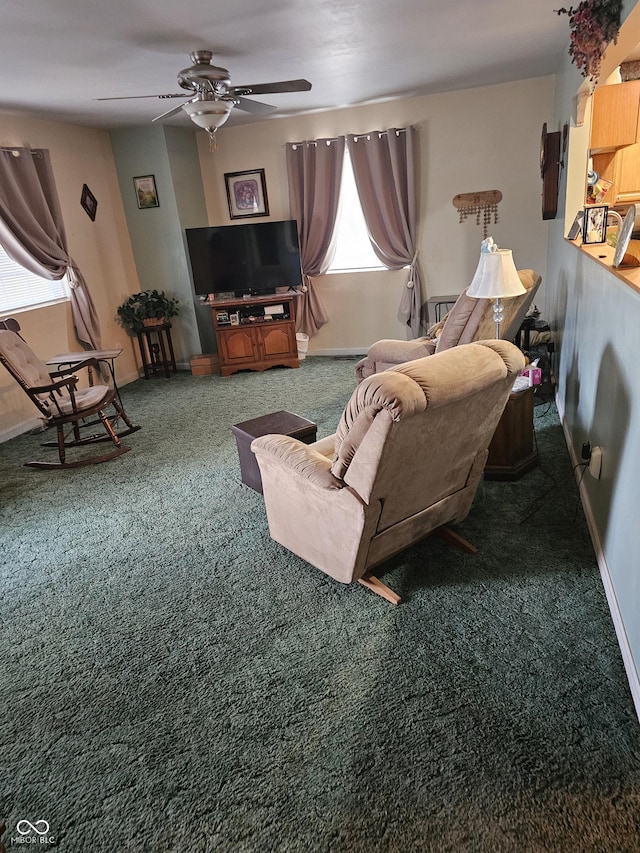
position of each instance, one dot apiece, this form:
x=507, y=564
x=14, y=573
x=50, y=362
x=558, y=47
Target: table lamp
x=495, y=278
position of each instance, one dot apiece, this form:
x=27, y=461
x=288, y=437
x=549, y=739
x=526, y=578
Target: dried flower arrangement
x=594, y=23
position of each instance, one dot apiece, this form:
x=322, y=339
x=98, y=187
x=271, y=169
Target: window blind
x=20, y=288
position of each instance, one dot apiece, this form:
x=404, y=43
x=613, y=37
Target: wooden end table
x=512, y=451
x=69, y=359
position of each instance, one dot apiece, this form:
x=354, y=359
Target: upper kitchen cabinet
x=614, y=116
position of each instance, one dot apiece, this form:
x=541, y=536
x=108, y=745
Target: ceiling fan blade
x=271, y=88
x=170, y=112
x=255, y=107
x=134, y=97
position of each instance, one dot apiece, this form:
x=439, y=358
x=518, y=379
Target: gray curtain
x=315, y=173
x=385, y=169
x=32, y=231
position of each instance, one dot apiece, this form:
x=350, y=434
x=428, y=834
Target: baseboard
x=125, y=380
x=133, y=377
x=19, y=429
x=340, y=353
x=627, y=657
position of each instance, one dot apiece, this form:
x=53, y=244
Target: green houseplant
x=148, y=308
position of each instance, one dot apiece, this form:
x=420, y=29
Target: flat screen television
x=249, y=259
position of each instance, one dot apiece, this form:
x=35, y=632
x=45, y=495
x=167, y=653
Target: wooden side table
x=512, y=452
x=69, y=359
x=158, y=353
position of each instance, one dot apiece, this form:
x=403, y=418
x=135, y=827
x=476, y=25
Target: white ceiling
x=57, y=56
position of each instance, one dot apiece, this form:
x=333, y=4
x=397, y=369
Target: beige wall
x=476, y=139
x=101, y=249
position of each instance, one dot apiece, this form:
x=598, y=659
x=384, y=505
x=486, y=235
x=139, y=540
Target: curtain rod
x=15, y=150
x=378, y=133
x=316, y=142
x=356, y=136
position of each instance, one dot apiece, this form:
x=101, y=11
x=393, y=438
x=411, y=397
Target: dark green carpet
x=173, y=680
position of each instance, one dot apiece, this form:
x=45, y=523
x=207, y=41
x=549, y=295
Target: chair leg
x=379, y=588
x=61, y=444
x=94, y=460
x=79, y=440
x=106, y=423
x=452, y=538
x=120, y=413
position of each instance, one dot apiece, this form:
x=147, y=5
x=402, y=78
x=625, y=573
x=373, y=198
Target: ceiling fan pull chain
x=213, y=142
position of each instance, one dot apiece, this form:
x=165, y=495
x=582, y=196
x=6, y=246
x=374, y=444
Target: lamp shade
x=208, y=114
x=496, y=276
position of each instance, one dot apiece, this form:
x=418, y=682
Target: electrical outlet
x=595, y=462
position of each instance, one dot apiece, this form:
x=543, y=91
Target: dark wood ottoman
x=281, y=423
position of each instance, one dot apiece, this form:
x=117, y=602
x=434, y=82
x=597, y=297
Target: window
x=353, y=247
x=20, y=288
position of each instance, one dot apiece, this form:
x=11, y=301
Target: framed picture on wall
x=594, y=228
x=89, y=202
x=246, y=194
x=146, y=192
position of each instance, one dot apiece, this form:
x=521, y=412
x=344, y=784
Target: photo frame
x=89, y=202
x=146, y=192
x=576, y=228
x=594, y=228
x=247, y=193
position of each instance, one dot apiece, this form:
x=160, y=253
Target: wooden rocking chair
x=62, y=404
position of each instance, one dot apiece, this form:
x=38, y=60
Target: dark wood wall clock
x=549, y=171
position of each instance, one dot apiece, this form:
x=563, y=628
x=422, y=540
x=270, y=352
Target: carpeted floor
x=173, y=680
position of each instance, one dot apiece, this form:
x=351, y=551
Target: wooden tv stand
x=252, y=342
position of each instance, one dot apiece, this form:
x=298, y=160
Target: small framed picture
x=146, y=192
x=89, y=202
x=246, y=194
x=222, y=316
x=594, y=228
x=576, y=228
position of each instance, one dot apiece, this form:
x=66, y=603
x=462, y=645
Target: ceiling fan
x=215, y=97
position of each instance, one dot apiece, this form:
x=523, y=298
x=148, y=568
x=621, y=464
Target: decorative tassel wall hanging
x=483, y=205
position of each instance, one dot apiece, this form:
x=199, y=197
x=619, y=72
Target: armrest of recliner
x=298, y=457
x=397, y=352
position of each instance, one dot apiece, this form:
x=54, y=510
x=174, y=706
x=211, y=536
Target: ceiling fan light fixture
x=208, y=114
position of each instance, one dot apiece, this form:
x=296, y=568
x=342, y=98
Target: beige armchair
x=469, y=320
x=405, y=461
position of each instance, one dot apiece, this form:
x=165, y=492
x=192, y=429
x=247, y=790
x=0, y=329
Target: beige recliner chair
x=405, y=460
x=469, y=320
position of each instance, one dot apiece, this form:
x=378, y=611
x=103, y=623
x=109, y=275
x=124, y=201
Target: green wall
x=157, y=234
x=595, y=317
